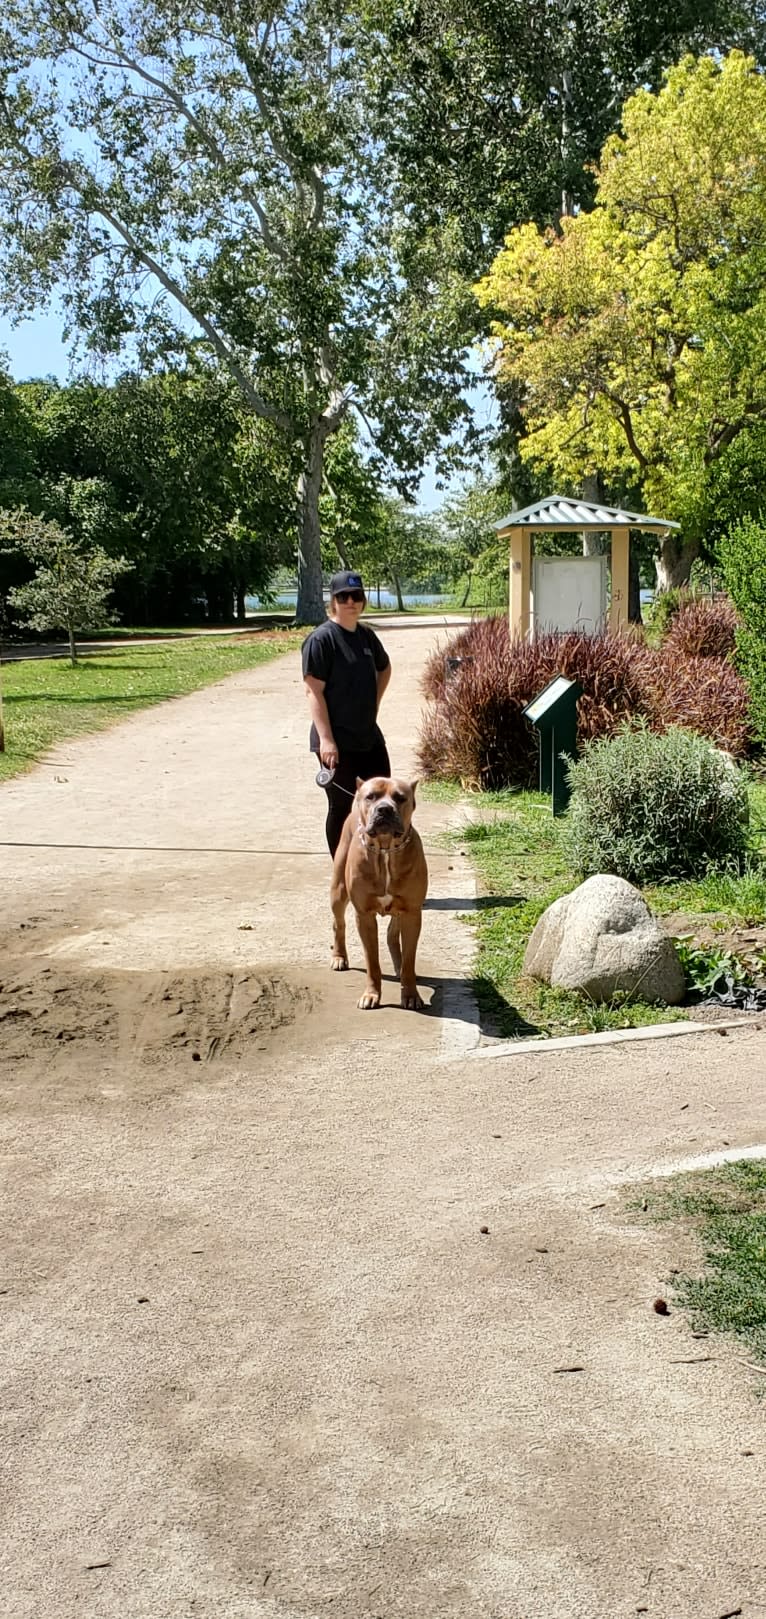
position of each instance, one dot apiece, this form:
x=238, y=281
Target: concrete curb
x=610, y=1037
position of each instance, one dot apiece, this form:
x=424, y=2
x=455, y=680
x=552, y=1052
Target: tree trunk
x=72, y=647
x=398, y=589
x=467, y=591
x=594, y=543
x=674, y=560
x=241, y=614
x=309, y=607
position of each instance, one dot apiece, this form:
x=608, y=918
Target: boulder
x=602, y=938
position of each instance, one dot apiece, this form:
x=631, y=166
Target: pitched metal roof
x=559, y=512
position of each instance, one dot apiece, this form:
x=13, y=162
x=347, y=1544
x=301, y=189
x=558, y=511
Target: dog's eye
x=399, y=798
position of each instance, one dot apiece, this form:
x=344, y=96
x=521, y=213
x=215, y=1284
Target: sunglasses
x=350, y=596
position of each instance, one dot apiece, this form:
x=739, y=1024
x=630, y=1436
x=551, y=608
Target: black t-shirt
x=348, y=662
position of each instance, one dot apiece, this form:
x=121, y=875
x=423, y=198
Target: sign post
x=554, y=714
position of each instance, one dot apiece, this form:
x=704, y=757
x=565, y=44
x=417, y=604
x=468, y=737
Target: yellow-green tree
x=637, y=332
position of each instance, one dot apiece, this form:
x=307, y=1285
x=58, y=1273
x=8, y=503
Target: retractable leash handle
x=325, y=775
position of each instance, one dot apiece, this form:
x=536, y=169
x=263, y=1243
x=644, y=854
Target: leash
x=324, y=776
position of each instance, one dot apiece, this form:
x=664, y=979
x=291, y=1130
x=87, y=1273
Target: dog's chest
x=384, y=872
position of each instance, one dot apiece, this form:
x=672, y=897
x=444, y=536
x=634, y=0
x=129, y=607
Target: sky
x=35, y=349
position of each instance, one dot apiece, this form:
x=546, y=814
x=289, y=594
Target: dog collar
x=396, y=844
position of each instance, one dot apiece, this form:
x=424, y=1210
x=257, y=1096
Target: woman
x=345, y=671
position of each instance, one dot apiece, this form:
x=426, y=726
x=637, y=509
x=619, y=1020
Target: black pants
x=373, y=763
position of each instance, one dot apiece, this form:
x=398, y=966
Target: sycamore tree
x=200, y=183
x=636, y=333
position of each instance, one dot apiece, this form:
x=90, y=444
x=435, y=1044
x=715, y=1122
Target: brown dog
x=380, y=866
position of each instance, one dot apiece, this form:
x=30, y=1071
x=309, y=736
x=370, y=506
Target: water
x=288, y=598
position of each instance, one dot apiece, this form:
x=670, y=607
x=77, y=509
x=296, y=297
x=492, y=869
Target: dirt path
x=258, y=1359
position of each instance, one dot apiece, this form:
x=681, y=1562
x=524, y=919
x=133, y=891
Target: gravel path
x=259, y=1360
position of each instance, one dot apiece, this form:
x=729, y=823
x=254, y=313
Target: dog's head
x=385, y=808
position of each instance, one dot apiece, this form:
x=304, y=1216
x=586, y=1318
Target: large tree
x=637, y=332
x=496, y=110
x=201, y=179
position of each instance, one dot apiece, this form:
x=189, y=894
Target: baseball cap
x=345, y=581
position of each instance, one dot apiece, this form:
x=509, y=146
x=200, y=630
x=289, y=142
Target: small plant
x=707, y=969
x=652, y=808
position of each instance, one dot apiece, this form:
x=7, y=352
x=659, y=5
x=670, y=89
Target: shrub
x=743, y=561
x=476, y=726
x=475, y=731
x=705, y=695
x=703, y=627
x=652, y=808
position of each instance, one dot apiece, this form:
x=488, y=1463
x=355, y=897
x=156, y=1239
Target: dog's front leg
x=367, y=923
x=409, y=929
x=339, y=901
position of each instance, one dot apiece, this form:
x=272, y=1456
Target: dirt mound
x=150, y=1015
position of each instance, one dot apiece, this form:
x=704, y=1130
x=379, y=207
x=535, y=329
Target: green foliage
x=707, y=968
x=661, y=612
x=497, y=112
x=635, y=333
x=742, y=557
x=652, y=808
x=72, y=584
x=518, y=851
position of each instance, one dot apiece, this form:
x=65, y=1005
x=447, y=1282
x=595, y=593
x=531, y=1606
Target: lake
x=382, y=599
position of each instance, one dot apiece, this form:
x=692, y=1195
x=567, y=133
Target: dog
x=381, y=868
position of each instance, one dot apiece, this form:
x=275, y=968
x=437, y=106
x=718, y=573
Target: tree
x=71, y=587
x=637, y=331
x=401, y=546
x=202, y=180
x=495, y=111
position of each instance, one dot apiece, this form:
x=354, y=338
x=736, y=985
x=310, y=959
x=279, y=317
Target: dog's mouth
x=383, y=826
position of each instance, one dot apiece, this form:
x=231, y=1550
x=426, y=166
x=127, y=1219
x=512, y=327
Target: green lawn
x=46, y=700
x=726, y=1209
x=516, y=848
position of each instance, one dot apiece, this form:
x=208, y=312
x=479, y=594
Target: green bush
x=743, y=563
x=653, y=808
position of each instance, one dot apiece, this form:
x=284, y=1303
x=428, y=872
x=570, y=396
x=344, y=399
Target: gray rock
x=602, y=938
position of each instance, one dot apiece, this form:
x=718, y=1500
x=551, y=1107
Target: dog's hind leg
x=393, y=941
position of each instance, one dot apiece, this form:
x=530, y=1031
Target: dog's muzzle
x=385, y=818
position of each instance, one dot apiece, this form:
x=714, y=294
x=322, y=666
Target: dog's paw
x=369, y=1000
x=339, y=964
x=411, y=1001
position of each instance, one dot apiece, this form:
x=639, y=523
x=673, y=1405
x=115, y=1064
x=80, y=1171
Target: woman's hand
x=328, y=753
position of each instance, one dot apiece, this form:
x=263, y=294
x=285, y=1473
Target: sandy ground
x=258, y=1358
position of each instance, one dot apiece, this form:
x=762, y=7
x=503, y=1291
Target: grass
x=726, y=1209
x=47, y=701
x=516, y=848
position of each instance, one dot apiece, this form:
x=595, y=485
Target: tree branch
x=212, y=146
x=260, y=405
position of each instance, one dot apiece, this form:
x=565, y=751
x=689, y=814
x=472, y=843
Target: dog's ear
x=413, y=785
x=359, y=782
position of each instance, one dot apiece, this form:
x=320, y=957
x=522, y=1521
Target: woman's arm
x=383, y=676
x=328, y=751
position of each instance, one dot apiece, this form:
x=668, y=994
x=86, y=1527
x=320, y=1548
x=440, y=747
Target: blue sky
x=35, y=349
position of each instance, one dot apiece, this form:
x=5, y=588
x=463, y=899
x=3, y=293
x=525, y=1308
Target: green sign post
x=554, y=714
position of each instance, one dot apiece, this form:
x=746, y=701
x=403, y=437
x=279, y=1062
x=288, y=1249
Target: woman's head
x=347, y=598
